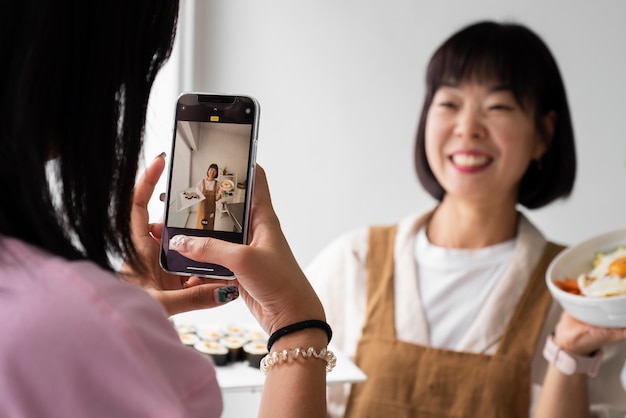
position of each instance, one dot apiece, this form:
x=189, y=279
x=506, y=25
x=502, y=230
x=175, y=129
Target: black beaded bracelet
x=312, y=323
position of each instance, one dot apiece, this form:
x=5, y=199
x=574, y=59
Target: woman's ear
x=546, y=134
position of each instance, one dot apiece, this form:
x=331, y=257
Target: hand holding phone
x=271, y=282
x=211, y=176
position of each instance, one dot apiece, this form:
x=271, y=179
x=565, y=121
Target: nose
x=469, y=123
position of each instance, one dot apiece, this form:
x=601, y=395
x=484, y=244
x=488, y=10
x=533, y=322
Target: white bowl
x=578, y=259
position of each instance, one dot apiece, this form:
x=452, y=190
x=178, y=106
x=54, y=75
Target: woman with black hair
x=205, y=219
x=447, y=311
x=76, y=341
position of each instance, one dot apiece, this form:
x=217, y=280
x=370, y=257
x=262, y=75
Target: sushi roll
x=188, y=338
x=215, y=350
x=209, y=334
x=234, y=330
x=256, y=335
x=234, y=345
x=185, y=328
x=254, y=352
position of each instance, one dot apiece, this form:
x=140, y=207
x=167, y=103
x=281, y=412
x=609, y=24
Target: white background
x=341, y=83
x=341, y=86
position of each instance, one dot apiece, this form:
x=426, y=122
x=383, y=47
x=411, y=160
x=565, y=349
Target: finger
x=197, y=297
x=142, y=194
x=208, y=250
x=261, y=200
x=264, y=224
x=148, y=181
x=156, y=230
x=196, y=281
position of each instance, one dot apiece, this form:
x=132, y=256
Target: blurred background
x=341, y=85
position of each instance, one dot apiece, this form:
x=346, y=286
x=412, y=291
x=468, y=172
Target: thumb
x=208, y=250
x=202, y=296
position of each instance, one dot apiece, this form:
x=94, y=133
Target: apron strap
x=380, y=290
x=522, y=332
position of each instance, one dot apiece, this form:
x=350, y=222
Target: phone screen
x=211, y=176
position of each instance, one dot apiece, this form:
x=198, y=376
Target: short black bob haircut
x=217, y=169
x=516, y=57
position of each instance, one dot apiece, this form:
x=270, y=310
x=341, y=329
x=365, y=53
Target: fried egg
x=608, y=277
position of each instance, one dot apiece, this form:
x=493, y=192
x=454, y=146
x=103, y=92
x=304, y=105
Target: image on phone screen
x=211, y=174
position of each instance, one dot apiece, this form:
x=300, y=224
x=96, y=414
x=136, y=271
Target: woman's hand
x=278, y=294
x=171, y=290
x=580, y=338
x=567, y=395
x=270, y=280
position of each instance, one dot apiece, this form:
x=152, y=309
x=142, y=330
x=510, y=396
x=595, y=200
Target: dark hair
x=76, y=77
x=516, y=57
x=217, y=169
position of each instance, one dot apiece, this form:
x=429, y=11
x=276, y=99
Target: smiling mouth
x=469, y=160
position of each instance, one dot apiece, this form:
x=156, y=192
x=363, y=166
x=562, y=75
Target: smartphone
x=211, y=176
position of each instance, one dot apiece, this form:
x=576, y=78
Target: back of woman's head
x=513, y=56
x=75, y=84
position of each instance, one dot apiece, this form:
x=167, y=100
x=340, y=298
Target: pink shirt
x=76, y=342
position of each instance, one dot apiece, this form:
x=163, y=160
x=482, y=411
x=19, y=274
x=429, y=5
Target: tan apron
x=410, y=380
x=206, y=208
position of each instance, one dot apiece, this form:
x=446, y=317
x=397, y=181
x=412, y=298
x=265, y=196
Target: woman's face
x=479, y=141
x=211, y=173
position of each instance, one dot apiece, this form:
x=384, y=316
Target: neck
x=455, y=225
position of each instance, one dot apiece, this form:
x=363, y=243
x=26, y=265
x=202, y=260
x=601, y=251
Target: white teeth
x=469, y=160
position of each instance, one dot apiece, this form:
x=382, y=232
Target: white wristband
x=570, y=363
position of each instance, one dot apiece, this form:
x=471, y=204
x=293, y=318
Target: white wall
x=340, y=84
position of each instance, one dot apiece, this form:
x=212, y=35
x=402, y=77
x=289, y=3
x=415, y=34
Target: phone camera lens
x=248, y=110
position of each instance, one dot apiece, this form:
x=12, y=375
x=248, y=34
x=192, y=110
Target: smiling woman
x=494, y=134
x=521, y=94
x=476, y=129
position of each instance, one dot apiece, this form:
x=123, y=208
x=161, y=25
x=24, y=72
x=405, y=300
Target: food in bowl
x=567, y=267
x=607, y=278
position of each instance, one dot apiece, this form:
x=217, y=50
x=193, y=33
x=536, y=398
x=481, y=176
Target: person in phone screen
x=212, y=192
x=447, y=311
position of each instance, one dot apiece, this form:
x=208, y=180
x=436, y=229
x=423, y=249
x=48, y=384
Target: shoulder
x=73, y=321
x=351, y=248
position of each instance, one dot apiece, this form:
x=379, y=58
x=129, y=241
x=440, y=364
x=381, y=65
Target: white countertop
x=239, y=376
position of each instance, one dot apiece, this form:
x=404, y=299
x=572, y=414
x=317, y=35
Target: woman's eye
x=448, y=104
x=500, y=106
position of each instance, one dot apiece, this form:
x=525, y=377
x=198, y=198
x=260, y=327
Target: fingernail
x=179, y=243
x=161, y=155
x=226, y=294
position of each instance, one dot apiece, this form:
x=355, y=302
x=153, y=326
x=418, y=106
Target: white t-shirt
x=454, y=284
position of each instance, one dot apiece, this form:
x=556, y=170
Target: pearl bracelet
x=277, y=357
